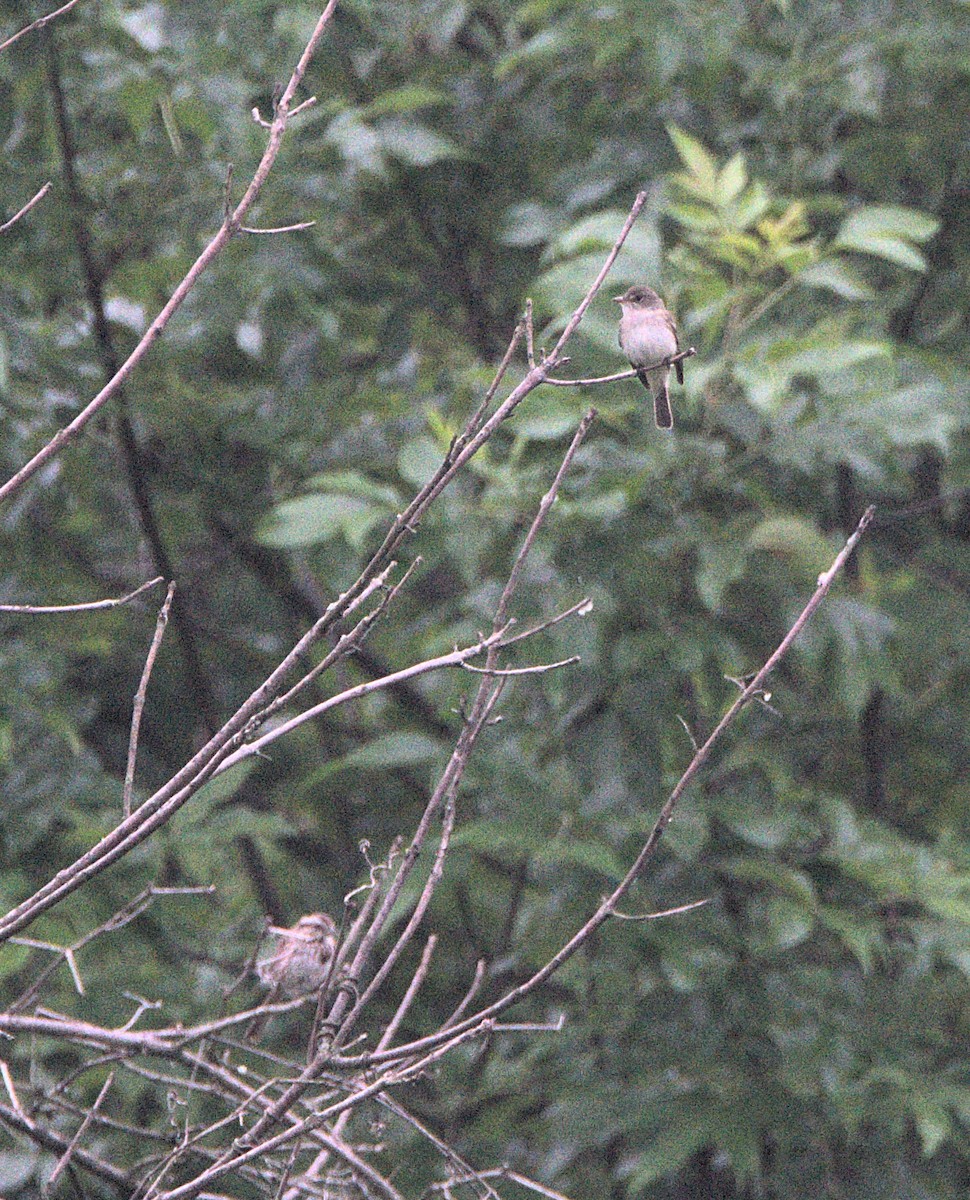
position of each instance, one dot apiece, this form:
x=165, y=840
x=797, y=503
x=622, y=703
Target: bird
x=300, y=964
x=648, y=337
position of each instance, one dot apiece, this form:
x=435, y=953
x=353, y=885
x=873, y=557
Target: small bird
x=299, y=964
x=648, y=337
x=301, y=959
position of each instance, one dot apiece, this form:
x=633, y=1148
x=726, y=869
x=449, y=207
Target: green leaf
x=887, y=232
x=790, y=922
x=720, y=563
x=597, y=233
x=354, y=483
x=309, y=520
x=893, y=221
x=393, y=750
x=794, y=537
x=835, y=275
x=547, y=418
x=358, y=142
x=528, y=224
x=509, y=838
x=697, y=160
x=696, y=216
x=731, y=180
x=836, y=355
x=405, y=99
x=226, y=784
x=418, y=460
x=415, y=144
x=862, y=936
x=794, y=883
x=752, y=206
x=932, y=1121
x=684, y=1134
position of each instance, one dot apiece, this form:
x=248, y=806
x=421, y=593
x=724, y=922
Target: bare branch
x=502, y=1173
x=38, y=24
x=227, y=230
x=537, y=669
x=87, y=606
x=44, y=1136
x=581, y=608
x=139, y=704
x=279, y=228
x=455, y=659
x=607, y=266
x=668, y=912
x=476, y=1022
x=9, y=1085
x=347, y=642
x=158, y=809
x=408, y=998
x=68, y=1154
x=37, y=197
x=545, y=504
x=674, y=358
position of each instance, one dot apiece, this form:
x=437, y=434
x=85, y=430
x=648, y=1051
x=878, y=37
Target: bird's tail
x=661, y=401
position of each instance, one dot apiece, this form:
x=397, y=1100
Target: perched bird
x=648, y=337
x=301, y=959
x=300, y=962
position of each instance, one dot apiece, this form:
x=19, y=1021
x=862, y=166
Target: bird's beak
x=617, y=299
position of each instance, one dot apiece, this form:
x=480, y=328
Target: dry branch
x=231, y=225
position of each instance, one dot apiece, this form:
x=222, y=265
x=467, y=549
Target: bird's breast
x=646, y=342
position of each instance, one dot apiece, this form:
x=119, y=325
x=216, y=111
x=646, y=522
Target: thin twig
x=19, y=1122
x=455, y=1161
x=160, y=807
x=67, y=953
x=347, y=642
x=442, y=801
x=482, y=707
x=474, y=424
x=38, y=24
x=664, y=362
x=606, y=908
x=502, y=1173
x=473, y=990
x=582, y=608
x=68, y=1154
x=35, y=199
x=116, y=921
x=530, y=339
x=227, y=230
x=545, y=504
x=139, y=705
x=667, y=912
x=536, y=669
x=87, y=606
x=9, y=1085
x=587, y=300
x=409, y=996
x=279, y=228
x=455, y=659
